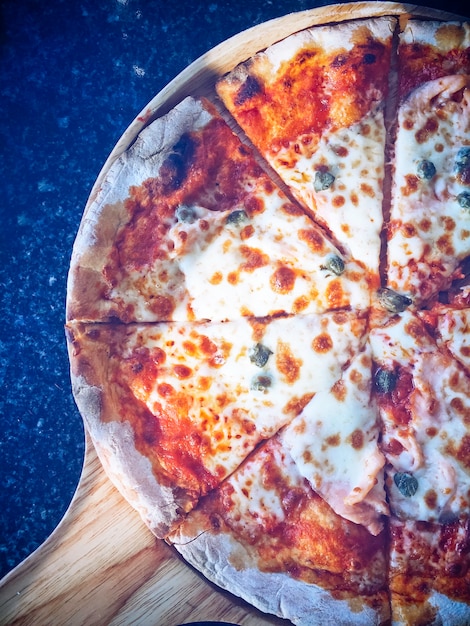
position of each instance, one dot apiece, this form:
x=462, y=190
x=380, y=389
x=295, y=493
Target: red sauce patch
x=396, y=403
x=313, y=92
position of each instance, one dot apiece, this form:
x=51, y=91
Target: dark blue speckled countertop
x=73, y=75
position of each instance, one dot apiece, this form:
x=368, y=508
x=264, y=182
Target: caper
x=425, y=170
x=392, y=301
x=406, y=483
x=185, y=214
x=462, y=160
x=237, y=217
x=323, y=180
x=385, y=380
x=335, y=264
x=261, y=383
x=259, y=354
x=464, y=199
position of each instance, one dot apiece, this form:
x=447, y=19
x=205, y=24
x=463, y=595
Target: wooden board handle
x=103, y=566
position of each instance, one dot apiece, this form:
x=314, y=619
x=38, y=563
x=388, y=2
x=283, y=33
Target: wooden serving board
x=102, y=565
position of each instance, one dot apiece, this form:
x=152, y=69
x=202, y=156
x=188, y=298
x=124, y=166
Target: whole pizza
x=268, y=320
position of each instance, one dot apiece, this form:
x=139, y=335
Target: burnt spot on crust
x=250, y=88
x=174, y=169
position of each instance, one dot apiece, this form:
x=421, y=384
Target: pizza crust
x=107, y=214
x=130, y=471
x=302, y=603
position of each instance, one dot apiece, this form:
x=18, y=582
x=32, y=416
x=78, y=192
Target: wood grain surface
x=102, y=565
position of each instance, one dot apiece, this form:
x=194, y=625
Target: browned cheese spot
x=254, y=258
x=296, y=405
x=461, y=409
x=216, y=278
x=313, y=239
x=444, y=244
x=162, y=306
x=333, y=440
x=339, y=390
x=233, y=277
x=283, y=280
x=322, y=343
x=423, y=134
x=338, y=201
x=408, y=230
x=335, y=294
x=357, y=439
x=430, y=497
x=411, y=185
x=287, y=364
x=425, y=225
x=300, y=304
x=246, y=232
x=448, y=223
x=367, y=190
x=461, y=451
x=182, y=371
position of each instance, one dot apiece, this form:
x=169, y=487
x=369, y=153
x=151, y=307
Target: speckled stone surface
x=73, y=75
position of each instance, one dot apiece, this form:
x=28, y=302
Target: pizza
x=268, y=314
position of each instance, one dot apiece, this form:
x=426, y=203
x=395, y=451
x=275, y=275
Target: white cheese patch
x=351, y=207
x=334, y=443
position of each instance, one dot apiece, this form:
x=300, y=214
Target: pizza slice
x=429, y=229
x=267, y=537
x=187, y=226
x=174, y=408
x=423, y=395
x=334, y=442
x=429, y=577
x=313, y=105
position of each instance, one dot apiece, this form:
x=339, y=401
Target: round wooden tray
x=102, y=565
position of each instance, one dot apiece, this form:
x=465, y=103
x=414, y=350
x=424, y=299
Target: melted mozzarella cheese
x=334, y=443
x=432, y=446
x=275, y=262
x=233, y=397
x=430, y=230
x=257, y=501
x=352, y=206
